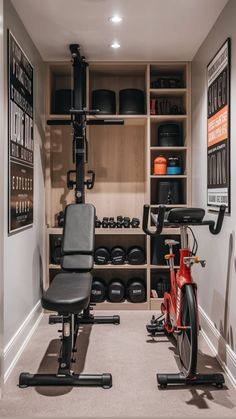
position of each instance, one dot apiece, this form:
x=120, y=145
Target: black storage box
x=62, y=101
x=105, y=101
x=170, y=135
x=169, y=192
x=159, y=249
x=131, y=102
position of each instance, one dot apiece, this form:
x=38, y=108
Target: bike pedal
x=155, y=328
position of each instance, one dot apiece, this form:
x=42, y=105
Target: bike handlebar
x=160, y=220
x=214, y=228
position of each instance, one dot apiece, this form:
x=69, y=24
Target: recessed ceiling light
x=115, y=19
x=115, y=45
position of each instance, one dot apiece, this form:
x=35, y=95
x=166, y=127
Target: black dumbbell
x=135, y=255
x=105, y=222
x=101, y=256
x=119, y=222
x=111, y=222
x=57, y=252
x=126, y=222
x=116, y=291
x=136, y=292
x=118, y=255
x=98, y=223
x=135, y=223
x=98, y=291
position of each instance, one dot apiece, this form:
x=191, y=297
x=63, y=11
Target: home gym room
x=117, y=245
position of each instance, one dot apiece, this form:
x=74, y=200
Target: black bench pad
x=68, y=293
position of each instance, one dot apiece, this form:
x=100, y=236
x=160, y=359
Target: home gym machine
x=76, y=178
x=70, y=291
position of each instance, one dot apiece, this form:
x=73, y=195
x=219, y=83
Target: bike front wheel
x=187, y=340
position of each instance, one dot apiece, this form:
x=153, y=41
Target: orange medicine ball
x=160, y=165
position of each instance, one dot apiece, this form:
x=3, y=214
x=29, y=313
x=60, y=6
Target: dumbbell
x=101, y=256
x=111, y=222
x=118, y=255
x=98, y=223
x=135, y=255
x=119, y=222
x=60, y=219
x=135, y=223
x=116, y=291
x=57, y=252
x=126, y=222
x=98, y=291
x=136, y=292
x=105, y=222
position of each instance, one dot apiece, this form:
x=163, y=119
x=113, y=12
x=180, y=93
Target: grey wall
x=217, y=282
x=24, y=252
x=1, y=189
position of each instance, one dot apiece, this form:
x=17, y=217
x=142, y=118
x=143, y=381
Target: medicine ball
x=101, y=256
x=169, y=192
x=105, y=101
x=135, y=255
x=131, y=102
x=62, y=101
x=57, y=252
x=116, y=291
x=136, y=292
x=98, y=291
x=170, y=135
x=118, y=255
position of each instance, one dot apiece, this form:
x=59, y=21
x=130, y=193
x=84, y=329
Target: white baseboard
x=221, y=349
x=18, y=342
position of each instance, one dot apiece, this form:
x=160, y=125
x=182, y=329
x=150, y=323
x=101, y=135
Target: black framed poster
x=218, y=129
x=20, y=138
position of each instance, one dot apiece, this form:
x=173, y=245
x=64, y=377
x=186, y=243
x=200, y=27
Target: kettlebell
x=160, y=164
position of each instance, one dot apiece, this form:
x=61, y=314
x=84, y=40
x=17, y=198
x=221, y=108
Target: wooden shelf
x=125, y=266
x=158, y=148
x=128, y=119
x=162, y=267
x=169, y=206
x=168, y=176
x=105, y=231
x=167, y=92
x=162, y=118
x=155, y=303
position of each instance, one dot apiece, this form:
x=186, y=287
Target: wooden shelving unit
x=122, y=158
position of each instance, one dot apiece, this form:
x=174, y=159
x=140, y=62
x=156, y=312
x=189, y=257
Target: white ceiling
x=151, y=29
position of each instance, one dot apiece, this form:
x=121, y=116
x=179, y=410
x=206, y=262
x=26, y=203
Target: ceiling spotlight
x=115, y=19
x=115, y=45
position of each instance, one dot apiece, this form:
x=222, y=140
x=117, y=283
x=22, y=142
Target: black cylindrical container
x=131, y=102
x=135, y=255
x=136, y=292
x=101, y=256
x=116, y=291
x=105, y=101
x=170, y=135
x=98, y=291
x=169, y=192
x=174, y=165
x=118, y=255
x=62, y=101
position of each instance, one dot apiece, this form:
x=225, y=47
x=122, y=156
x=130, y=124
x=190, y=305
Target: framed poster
x=20, y=138
x=218, y=129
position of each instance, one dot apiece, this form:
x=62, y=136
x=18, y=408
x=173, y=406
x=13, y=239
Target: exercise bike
x=179, y=309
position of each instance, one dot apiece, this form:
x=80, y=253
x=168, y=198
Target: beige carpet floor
x=133, y=359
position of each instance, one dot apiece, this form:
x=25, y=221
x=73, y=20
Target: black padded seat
x=185, y=215
x=68, y=293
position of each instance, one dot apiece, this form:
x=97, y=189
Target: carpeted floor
x=133, y=359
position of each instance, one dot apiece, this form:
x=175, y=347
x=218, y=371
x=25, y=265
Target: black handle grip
x=216, y=229
x=160, y=220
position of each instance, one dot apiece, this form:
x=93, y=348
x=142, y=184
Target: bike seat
x=185, y=215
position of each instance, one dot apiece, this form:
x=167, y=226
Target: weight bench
x=69, y=296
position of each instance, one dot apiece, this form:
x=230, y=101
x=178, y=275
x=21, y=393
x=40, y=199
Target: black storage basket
x=170, y=135
x=105, y=101
x=169, y=192
x=131, y=102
